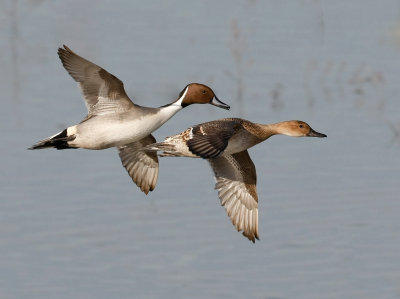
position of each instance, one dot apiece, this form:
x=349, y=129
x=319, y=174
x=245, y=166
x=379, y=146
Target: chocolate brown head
x=196, y=93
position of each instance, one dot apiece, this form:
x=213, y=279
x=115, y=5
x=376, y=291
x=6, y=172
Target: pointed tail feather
x=58, y=141
x=166, y=149
x=161, y=146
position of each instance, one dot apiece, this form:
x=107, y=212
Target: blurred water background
x=73, y=225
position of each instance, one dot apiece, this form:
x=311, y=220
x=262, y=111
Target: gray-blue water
x=73, y=225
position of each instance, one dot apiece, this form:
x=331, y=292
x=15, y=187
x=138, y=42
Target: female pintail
x=224, y=143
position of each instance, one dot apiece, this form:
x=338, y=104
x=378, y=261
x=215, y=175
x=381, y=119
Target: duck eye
x=300, y=126
x=204, y=92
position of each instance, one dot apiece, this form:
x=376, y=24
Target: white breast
x=106, y=131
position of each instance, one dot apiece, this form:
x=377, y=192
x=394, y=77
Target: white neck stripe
x=179, y=101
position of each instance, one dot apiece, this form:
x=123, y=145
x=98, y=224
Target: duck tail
x=166, y=149
x=58, y=141
x=160, y=146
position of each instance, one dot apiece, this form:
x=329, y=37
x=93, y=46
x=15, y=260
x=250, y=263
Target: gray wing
x=236, y=180
x=103, y=92
x=141, y=166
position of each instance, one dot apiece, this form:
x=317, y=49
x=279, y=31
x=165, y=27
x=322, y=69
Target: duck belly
x=99, y=133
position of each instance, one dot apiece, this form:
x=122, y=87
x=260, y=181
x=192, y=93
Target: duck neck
x=167, y=111
x=178, y=104
x=269, y=130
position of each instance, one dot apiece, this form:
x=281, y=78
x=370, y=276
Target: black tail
x=58, y=141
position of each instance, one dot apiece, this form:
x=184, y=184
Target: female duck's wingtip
x=251, y=238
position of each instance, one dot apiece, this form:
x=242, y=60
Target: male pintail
x=113, y=120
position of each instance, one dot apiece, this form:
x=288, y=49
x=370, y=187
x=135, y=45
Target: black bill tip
x=313, y=133
x=220, y=104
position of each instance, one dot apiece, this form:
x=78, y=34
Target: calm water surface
x=73, y=225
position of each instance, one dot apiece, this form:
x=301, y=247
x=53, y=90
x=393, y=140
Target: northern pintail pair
x=224, y=143
x=113, y=120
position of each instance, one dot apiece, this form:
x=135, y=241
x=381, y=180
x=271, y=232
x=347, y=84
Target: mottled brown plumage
x=224, y=144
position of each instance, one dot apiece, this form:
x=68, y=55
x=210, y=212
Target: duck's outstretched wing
x=236, y=180
x=103, y=92
x=210, y=139
x=142, y=166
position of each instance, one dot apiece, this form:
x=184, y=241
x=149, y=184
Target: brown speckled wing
x=103, y=92
x=210, y=139
x=142, y=166
x=236, y=180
